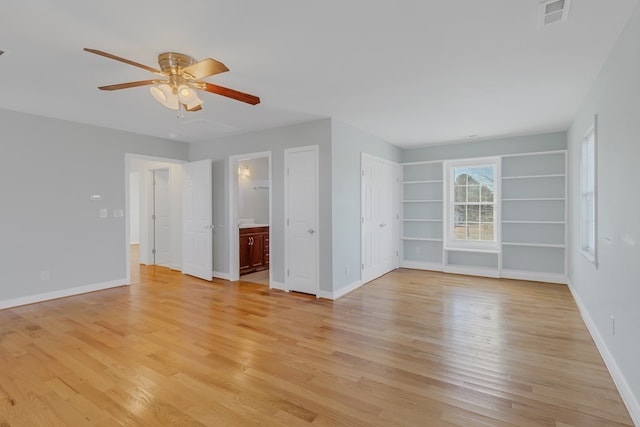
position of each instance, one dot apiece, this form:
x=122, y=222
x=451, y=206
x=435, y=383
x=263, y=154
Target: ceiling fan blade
x=206, y=67
x=126, y=61
x=230, y=93
x=196, y=108
x=131, y=84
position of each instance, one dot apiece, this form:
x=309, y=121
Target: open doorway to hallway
x=154, y=213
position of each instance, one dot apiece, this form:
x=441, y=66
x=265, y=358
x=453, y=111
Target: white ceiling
x=412, y=72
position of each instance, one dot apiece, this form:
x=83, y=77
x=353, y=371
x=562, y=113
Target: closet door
x=379, y=223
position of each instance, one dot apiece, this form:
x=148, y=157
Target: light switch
x=118, y=213
x=104, y=213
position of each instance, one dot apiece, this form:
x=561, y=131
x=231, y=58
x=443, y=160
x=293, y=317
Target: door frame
x=154, y=223
x=234, y=247
x=287, y=151
x=127, y=168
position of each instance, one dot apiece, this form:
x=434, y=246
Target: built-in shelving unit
x=533, y=220
x=534, y=217
x=422, y=209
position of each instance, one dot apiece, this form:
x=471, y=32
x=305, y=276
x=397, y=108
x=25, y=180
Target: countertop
x=252, y=225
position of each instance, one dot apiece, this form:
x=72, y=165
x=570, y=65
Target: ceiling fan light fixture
x=163, y=93
x=197, y=101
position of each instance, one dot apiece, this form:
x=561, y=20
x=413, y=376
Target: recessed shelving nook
x=533, y=220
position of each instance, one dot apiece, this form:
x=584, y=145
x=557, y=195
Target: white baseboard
x=472, y=271
x=416, y=265
x=277, y=285
x=632, y=404
x=177, y=267
x=340, y=292
x=220, y=275
x=534, y=276
x=31, y=299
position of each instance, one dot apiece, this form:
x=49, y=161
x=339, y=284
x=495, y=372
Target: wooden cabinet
x=254, y=249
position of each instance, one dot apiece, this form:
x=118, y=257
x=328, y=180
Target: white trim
x=234, y=254
x=481, y=251
x=472, y=270
x=555, y=175
x=630, y=401
x=534, y=153
x=426, y=162
x=418, y=265
x=177, y=267
x=278, y=285
x=534, y=276
x=220, y=275
x=32, y=299
x=340, y=292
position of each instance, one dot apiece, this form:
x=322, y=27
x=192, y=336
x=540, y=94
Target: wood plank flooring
x=409, y=349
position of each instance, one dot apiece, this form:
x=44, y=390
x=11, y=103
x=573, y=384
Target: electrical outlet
x=104, y=213
x=44, y=275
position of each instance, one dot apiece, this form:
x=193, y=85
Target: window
x=588, y=194
x=472, y=218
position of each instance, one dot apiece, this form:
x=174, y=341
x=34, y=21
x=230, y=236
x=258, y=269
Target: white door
x=161, y=217
x=197, y=242
x=301, y=219
x=380, y=217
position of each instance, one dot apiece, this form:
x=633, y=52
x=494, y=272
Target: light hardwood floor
x=411, y=348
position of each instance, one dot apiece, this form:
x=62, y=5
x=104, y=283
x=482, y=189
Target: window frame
x=450, y=205
x=589, y=193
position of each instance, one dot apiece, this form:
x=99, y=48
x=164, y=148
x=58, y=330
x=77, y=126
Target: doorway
x=250, y=218
x=142, y=201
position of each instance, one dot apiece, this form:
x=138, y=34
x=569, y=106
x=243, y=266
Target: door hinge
x=362, y=172
x=287, y=272
x=153, y=251
x=363, y=220
x=362, y=268
x=287, y=171
x=287, y=222
x=153, y=216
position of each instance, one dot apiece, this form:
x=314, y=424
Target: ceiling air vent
x=553, y=11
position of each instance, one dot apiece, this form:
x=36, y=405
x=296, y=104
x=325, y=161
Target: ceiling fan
x=181, y=79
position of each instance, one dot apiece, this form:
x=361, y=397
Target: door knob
x=311, y=231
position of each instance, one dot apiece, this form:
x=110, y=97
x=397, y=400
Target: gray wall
x=613, y=288
x=49, y=169
x=275, y=140
x=347, y=145
x=489, y=147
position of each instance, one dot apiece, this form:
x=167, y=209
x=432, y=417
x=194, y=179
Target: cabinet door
x=257, y=250
x=245, y=253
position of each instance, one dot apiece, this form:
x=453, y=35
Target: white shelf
x=556, y=175
x=535, y=245
x=534, y=222
x=435, y=181
x=423, y=239
x=536, y=199
x=481, y=251
x=422, y=201
x=421, y=220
